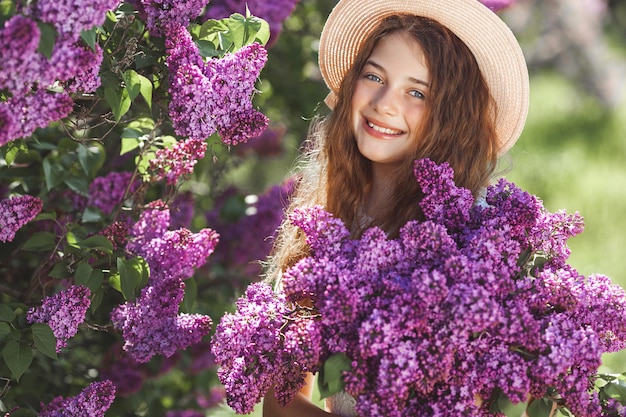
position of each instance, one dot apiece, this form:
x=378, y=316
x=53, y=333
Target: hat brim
x=495, y=48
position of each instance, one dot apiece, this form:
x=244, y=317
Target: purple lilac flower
x=273, y=12
x=248, y=373
x=117, y=233
x=93, y=401
x=15, y=212
x=151, y=324
x=170, y=253
x=107, y=192
x=63, y=312
x=71, y=16
x=21, y=115
x=177, y=161
x=19, y=64
x=216, y=95
x=461, y=305
x=159, y=14
x=76, y=65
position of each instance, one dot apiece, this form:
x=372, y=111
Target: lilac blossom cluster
x=93, y=401
x=159, y=14
x=26, y=74
x=472, y=301
x=151, y=324
x=108, y=191
x=63, y=312
x=273, y=12
x=248, y=240
x=15, y=212
x=255, y=354
x=213, y=96
x=172, y=163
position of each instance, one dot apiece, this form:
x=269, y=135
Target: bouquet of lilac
x=474, y=302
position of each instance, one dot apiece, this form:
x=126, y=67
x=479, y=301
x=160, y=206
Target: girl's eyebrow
x=381, y=68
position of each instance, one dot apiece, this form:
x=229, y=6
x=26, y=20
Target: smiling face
x=388, y=103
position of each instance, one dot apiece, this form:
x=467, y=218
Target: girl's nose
x=385, y=102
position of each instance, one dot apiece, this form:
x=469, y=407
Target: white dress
x=342, y=404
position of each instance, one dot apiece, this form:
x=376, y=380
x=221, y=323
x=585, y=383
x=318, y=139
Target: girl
x=409, y=79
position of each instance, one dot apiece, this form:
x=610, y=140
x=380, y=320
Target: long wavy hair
x=458, y=128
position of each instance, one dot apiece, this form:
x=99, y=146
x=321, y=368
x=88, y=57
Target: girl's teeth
x=383, y=129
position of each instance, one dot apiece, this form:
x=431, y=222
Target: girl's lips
x=381, y=129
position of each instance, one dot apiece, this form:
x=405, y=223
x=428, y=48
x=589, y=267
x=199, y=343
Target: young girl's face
x=388, y=102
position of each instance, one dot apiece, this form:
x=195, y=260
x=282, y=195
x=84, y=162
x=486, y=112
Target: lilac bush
x=472, y=302
x=97, y=145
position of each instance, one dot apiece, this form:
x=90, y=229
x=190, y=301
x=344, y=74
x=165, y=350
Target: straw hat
x=494, y=46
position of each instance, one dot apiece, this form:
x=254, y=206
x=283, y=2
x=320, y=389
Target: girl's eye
x=373, y=77
x=417, y=94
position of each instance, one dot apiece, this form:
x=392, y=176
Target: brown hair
x=459, y=128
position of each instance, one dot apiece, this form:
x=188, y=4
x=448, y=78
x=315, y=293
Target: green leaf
x=78, y=184
x=616, y=390
x=135, y=133
x=114, y=282
x=91, y=157
x=6, y=313
x=91, y=215
x=132, y=82
x=129, y=144
x=13, y=149
x=89, y=36
x=82, y=273
x=138, y=84
x=40, y=242
x=540, y=407
x=245, y=30
x=132, y=273
x=44, y=339
x=207, y=49
x=5, y=330
x=59, y=270
x=18, y=357
x=118, y=99
x=47, y=40
x=53, y=172
x=97, y=242
x=330, y=379
x=210, y=28
x=89, y=277
x=45, y=216
x=7, y=9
